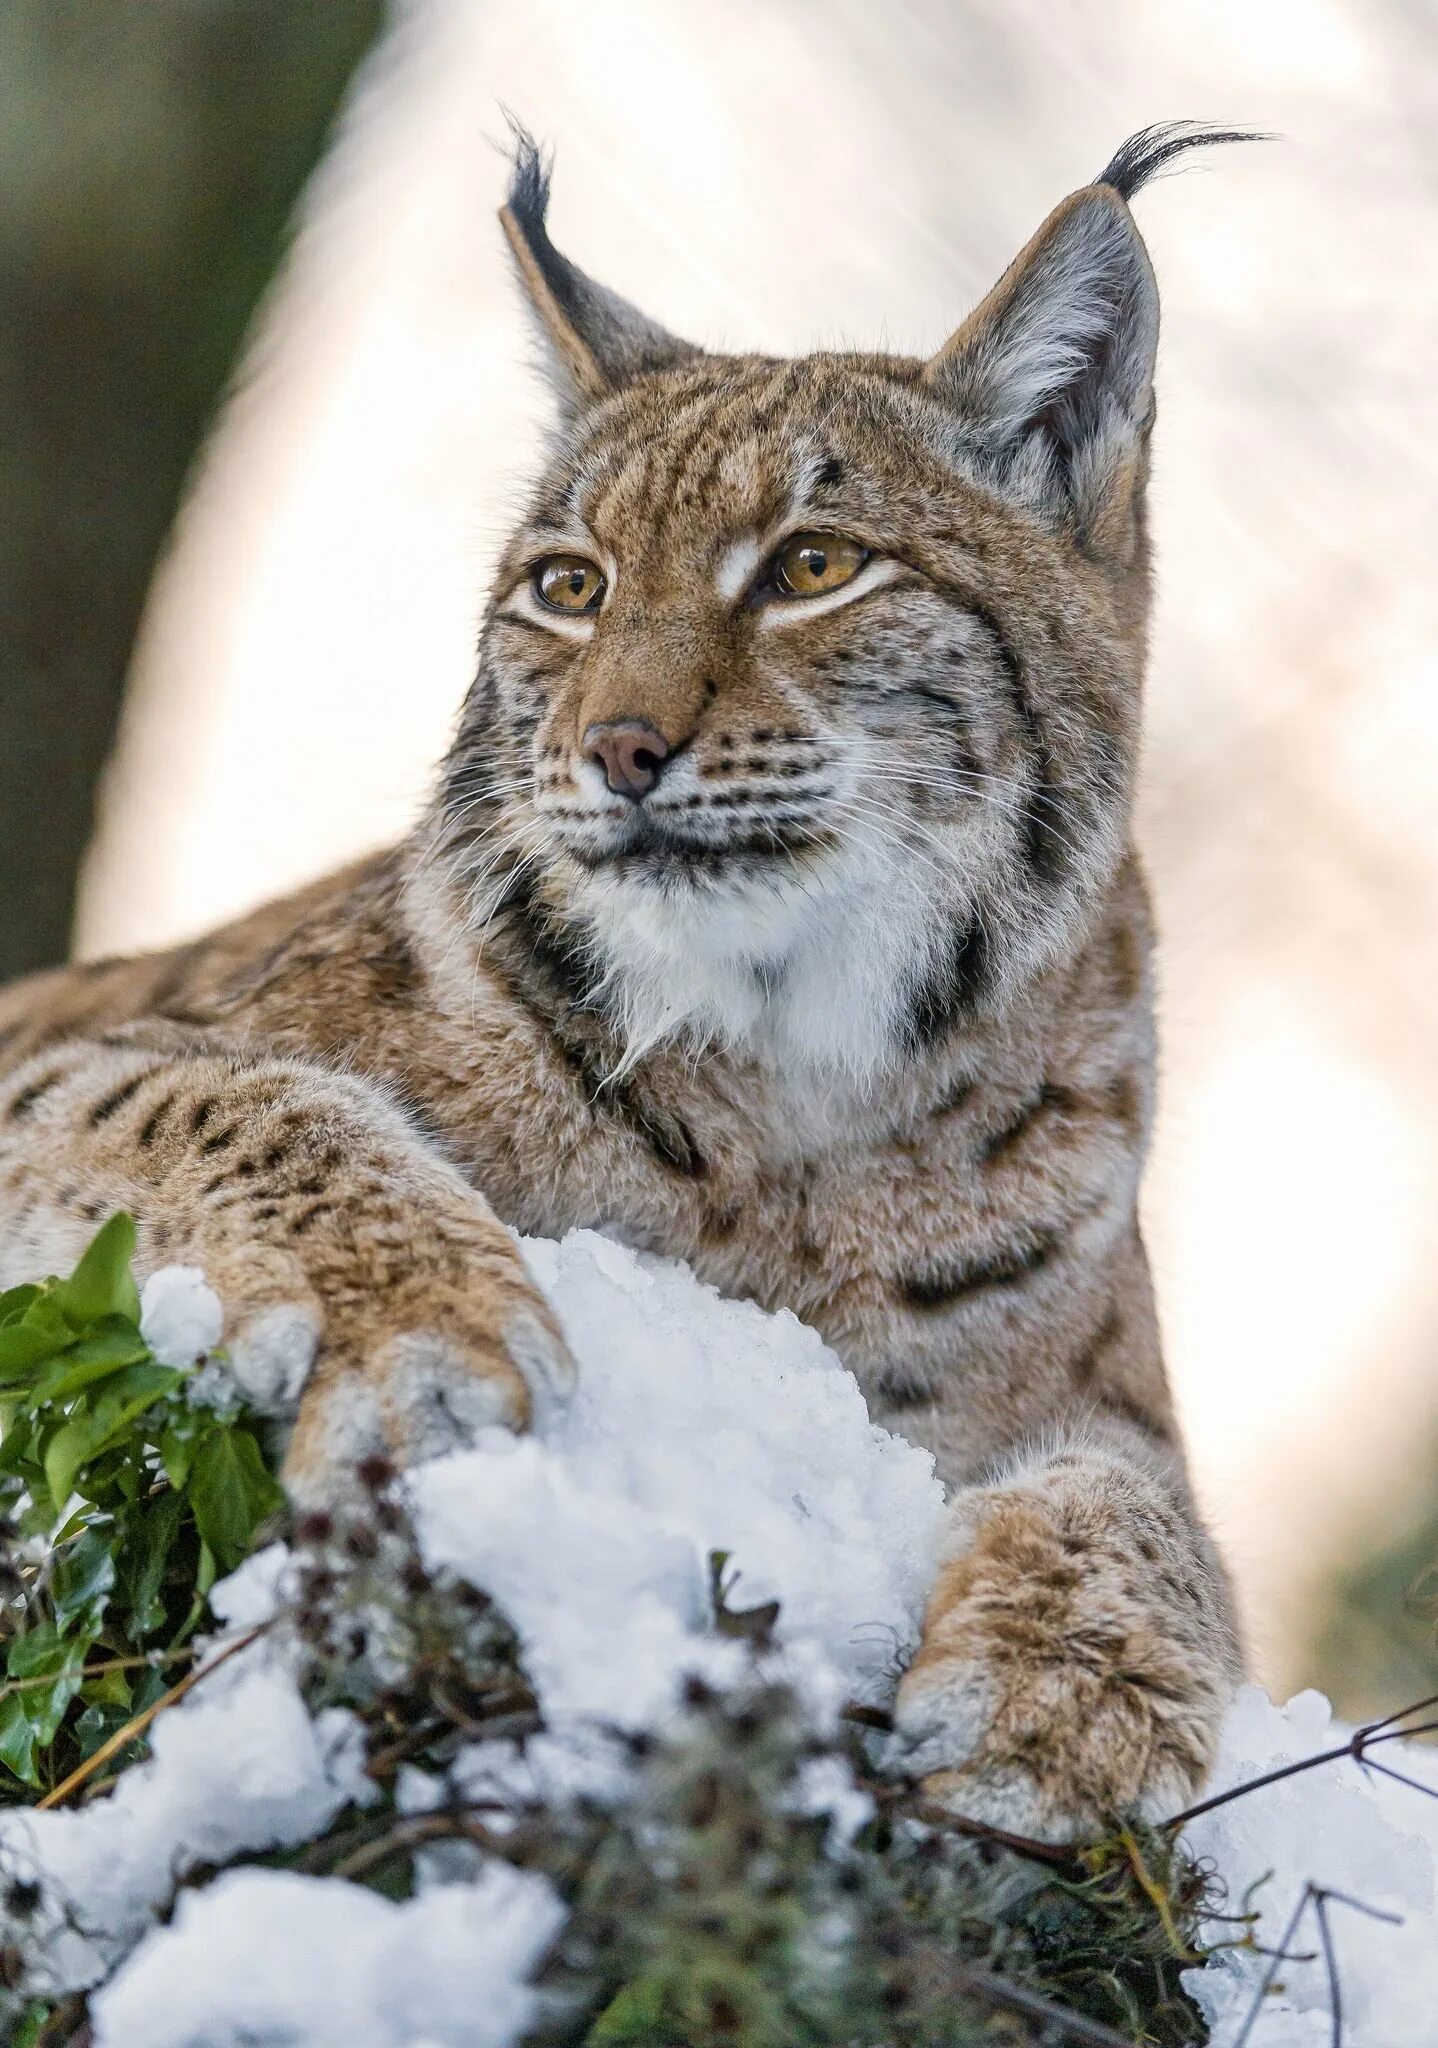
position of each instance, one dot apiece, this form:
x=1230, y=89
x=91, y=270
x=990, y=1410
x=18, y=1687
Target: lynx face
x=807, y=702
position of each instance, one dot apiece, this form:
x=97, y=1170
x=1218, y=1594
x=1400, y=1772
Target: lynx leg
x=368, y=1290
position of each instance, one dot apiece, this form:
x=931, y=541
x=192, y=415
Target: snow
x=240, y=1766
x=699, y=1425
x=180, y=1316
x=263, y=1955
x=1339, y=1827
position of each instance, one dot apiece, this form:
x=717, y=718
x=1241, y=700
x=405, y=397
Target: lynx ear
x=597, y=341
x=1052, y=374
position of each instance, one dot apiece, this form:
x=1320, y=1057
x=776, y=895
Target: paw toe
x=543, y=1361
x=942, y=1711
x=272, y=1354
x=438, y=1396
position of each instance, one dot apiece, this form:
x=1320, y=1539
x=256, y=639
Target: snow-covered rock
x=699, y=1425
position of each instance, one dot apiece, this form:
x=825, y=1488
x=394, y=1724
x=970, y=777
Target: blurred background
x=272, y=685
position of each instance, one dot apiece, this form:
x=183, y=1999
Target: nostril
x=630, y=752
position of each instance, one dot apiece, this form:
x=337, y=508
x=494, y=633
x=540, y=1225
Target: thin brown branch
x=413, y=1833
x=877, y=1718
x=1071, y=2026
x=149, y=1660
x=1056, y=1854
x=390, y=1834
x=385, y=1762
x=137, y=1726
x=1363, y=1739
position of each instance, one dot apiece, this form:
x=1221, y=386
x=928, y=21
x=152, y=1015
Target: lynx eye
x=811, y=563
x=568, y=583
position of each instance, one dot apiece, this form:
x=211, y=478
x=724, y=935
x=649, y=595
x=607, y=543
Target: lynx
x=777, y=910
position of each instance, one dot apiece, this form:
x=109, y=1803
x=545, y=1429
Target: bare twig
x=1318, y=1896
x=149, y=1660
x=1279, y=1955
x=141, y=1722
x=1052, y=1853
x=1357, y=1746
x=373, y=1839
x=1398, y=1777
x=413, y=1833
x=1072, y=2026
x=1330, y=1964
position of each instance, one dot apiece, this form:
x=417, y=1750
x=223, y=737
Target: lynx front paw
x=415, y=1378
x=1063, y=1682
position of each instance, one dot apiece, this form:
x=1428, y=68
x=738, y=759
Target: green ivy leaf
x=123, y=1400
x=87, y=1417
x=39, y=1653
x=231, y=1492
x=32, y=2026
x=17, y=1740
x=40, y=1334
x=83, y=1577
x=634, y=2015
x=16, y=1445
x=14, y=1302
x=176, y=1453
x=109, y=1690
x=102, y=1284
x=146, y=1543
x=96, y=1725
x=113, y=1345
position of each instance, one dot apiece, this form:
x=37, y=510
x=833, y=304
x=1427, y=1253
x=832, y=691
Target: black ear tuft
x=528, y=205
x=597, y=340
x=1153, y=149
x=529, y=180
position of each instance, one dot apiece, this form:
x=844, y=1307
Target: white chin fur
x=804, y=969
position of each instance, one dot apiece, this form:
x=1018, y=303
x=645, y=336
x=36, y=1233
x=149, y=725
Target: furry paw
x=424, y=1377
x=1062, y=1682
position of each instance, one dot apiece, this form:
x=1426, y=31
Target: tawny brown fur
x=336, y=1105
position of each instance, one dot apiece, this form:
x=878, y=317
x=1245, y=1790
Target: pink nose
x=632, y=753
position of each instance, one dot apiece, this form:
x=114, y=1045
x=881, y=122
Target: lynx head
x=808, y=699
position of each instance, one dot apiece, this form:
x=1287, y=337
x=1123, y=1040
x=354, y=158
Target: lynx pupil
x=568, y=583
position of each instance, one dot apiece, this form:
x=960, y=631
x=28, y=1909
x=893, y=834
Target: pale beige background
x=790, y=174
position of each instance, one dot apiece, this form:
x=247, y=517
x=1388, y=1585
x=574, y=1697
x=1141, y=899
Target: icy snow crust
x=699, y=1425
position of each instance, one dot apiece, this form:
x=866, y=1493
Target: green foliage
x=121, y=1503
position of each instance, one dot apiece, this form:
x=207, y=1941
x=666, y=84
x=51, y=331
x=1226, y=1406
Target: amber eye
x=811, y=563
x=567, y=583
